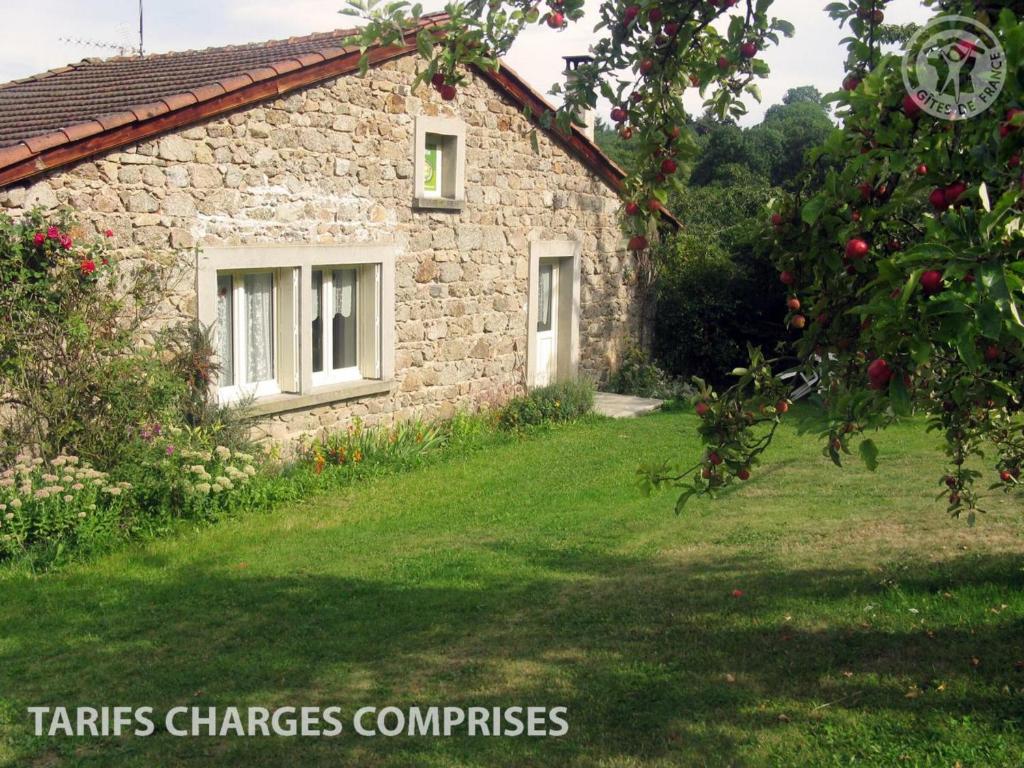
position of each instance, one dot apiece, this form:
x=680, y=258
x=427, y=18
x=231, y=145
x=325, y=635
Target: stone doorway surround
x=567, y=255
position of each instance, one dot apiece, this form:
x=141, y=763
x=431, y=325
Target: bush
x=555, y=403
x=640, y=376
x=72, y=379
x=65, y=503
x=710, y=308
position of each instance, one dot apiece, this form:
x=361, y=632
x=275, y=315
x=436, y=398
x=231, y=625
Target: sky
x=44, y=34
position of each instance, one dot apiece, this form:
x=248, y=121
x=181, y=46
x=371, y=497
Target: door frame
x=566, y=253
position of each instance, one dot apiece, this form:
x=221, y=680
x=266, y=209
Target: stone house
x=358, y=247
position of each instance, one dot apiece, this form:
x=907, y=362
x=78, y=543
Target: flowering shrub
x=61, y=502
x=186, y=473
x=72, y=379
x=403, y=444
x=558, y=402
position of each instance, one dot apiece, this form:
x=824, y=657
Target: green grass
x=533, y=573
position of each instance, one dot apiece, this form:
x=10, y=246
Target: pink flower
x=88, y=266
x=39, y=239
x=109, y=233
x=53, y=233
x=66, y=242
x=170, y=450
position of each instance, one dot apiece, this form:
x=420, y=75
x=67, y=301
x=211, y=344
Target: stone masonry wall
x=333, y=165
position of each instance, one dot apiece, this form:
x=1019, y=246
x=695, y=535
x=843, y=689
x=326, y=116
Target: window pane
x=225, y=327
x=344, y=328
x=259, y=330
x=544, y=298
x=318, y=321
x=432, y=169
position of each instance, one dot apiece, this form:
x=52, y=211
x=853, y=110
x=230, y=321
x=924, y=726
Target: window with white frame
x=439, y=153
x=298, y=320
x=246, y=334
x=336, y=321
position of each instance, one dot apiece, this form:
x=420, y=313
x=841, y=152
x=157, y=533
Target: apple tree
x=901, y=251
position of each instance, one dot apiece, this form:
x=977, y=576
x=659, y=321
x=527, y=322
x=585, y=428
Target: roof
x=69, y=114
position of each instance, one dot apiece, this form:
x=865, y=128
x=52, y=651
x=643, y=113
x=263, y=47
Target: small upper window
x=439, y=176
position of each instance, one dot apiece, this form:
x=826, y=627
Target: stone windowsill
x=331, y=393
x=439, y=203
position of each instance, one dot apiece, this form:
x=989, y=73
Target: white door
x=547, y=323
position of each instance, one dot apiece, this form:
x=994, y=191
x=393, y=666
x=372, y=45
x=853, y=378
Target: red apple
x=855, y=216
x=777, y=219
x=668, y=166
x=630, y=14
x=954, y=191
x=782, y=406
x=879, y=374
x=619, y=115
x=911, y=107
x=787, y=278
x=748, y=50
x=793, y=303
x=437, y=80
x=938, y=199
x=653, y=205
x=632, y=208
x=638, y=243
x=723, y=63
x=931, y=282
x=702, y=409
x=877, y=17
x=447, y=92
x=646, y=66
x=626, y=132
x=857, y=248
x=743, y=474
x=655, y=15
x=866, y=191
x=851, y=83
x=556, y=20
x=922, y=170
x=714, y=458
x=799, y=322
x=992, y=353
x=1006, y=476
x=672, y=28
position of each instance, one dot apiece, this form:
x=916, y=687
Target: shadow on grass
x=639, y=653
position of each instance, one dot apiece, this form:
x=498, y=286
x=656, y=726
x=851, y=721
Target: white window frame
x=450, y=135
x=438, y=144
x=331, y=375
x=293, y=266
x=239, y=340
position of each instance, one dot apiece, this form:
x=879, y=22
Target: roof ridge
x=255, y=45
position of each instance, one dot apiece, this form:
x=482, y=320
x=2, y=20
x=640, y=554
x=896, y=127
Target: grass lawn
x=872, y=629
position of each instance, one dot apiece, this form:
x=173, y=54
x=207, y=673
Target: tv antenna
x=123, y=48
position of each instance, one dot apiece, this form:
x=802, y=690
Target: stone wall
x=333, y=164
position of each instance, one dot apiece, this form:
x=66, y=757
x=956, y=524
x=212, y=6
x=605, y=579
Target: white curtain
x=344, y=330
x=259, y=327
x=225, y=350
x=544, y=298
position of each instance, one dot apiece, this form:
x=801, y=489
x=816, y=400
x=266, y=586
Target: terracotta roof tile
x=79, y=93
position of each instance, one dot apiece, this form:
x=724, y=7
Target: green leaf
x=869, y=454
x=899, y=396
x=813, y=209
x=990, y=319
